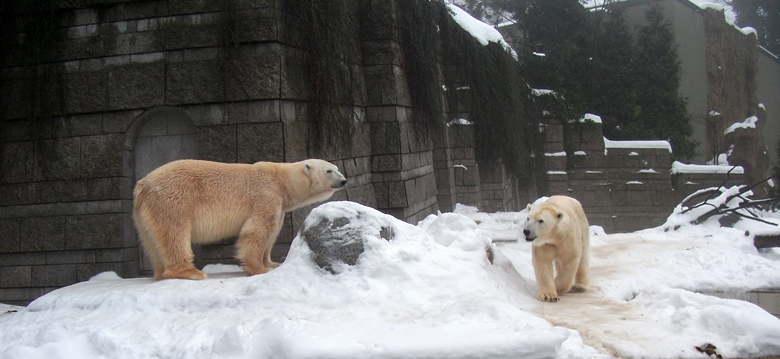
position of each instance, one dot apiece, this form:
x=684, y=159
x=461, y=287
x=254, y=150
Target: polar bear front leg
x=267, y=262
x=255, y=241
x=567, y=269
x=542, y=259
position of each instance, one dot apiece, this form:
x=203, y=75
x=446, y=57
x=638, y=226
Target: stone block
x=194, y=82
x=381, y=114
x=382, y=52
x=104, y=188
x=386, y=163
x=54, y=275
x=254, y=74
x=11, y=277
x=193, y=36
x=382, y=86
x=22, y=259
x=18, y=162
x=135, y=42
x=593, y=135
x=86, y=91
x=10, y=235
x=136, y=86
x=553, y=133
x=119, y=121
x=42, y=234
x=462, y=136
x=217, y=143
x=269, y=111
x=72, y=126
x=68, y=190
x=57, y=159
x=70, y=257
x=81, y=233
x=256, y=24
x=260, y=142
x=363, y=194
x=294, y=76
x=397, y=195
x=101, y=156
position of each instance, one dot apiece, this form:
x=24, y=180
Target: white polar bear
x=560, y=234
x=192, y=201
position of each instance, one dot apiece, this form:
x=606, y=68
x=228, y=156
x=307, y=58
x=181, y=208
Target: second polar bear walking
x=192, y=201
x=560, y=236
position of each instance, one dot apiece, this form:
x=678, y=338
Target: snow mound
x=430, y=292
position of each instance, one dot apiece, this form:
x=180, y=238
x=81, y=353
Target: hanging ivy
x=421, y=44
x=329, y=32
x=495, y=94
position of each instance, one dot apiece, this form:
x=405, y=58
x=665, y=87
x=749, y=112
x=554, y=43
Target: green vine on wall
x=421, y=43
x=329, y=32
x=495, y=98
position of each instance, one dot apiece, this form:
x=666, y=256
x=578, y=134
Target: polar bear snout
x=338, y=180
x=340, y=185
x=528, y=236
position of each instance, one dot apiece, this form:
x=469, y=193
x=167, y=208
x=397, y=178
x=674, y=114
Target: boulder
x=337, y=235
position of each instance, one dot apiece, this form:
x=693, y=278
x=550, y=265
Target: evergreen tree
x=614, y=83
x=559, y=29
x=662, y=111
x=762, y=15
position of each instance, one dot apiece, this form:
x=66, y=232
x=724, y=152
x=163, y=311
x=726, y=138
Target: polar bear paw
x=548, y=297
x=189, y=273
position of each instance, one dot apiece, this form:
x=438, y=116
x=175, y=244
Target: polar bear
x=559, y=232
x=193, y=201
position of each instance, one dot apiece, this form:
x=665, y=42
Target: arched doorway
x=159, y=136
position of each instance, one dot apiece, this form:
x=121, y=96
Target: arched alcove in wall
x=156, y=137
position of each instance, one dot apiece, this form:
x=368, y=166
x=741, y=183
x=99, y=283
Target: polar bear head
x=325, y=176
x=542, y=221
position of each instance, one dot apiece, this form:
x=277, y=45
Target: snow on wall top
x=484, y=33
x=678, y=167
x=661, y=145
x=749, y=122
x=589, y=117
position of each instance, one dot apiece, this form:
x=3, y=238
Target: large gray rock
x=337, y=234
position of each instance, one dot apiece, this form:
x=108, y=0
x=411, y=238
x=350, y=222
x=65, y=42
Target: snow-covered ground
x=429, y=293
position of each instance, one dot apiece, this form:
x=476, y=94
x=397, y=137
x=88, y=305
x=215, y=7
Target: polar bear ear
x=306, y=167
x=529, y=207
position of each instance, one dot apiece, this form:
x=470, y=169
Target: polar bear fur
x=192, y=201
x=559, y=232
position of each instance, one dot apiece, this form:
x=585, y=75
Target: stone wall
x=732, y=67
x=129, y=86
x=622, y=185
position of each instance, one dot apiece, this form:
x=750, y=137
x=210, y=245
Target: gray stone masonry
x=130, y=85
x=621, y=189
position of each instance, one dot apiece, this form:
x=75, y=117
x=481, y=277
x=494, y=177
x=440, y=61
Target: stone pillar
x=401, y=156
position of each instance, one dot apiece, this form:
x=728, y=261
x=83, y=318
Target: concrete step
x=767, y=299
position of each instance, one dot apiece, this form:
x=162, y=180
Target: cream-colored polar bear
x=191, y=201
x=561, y=242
